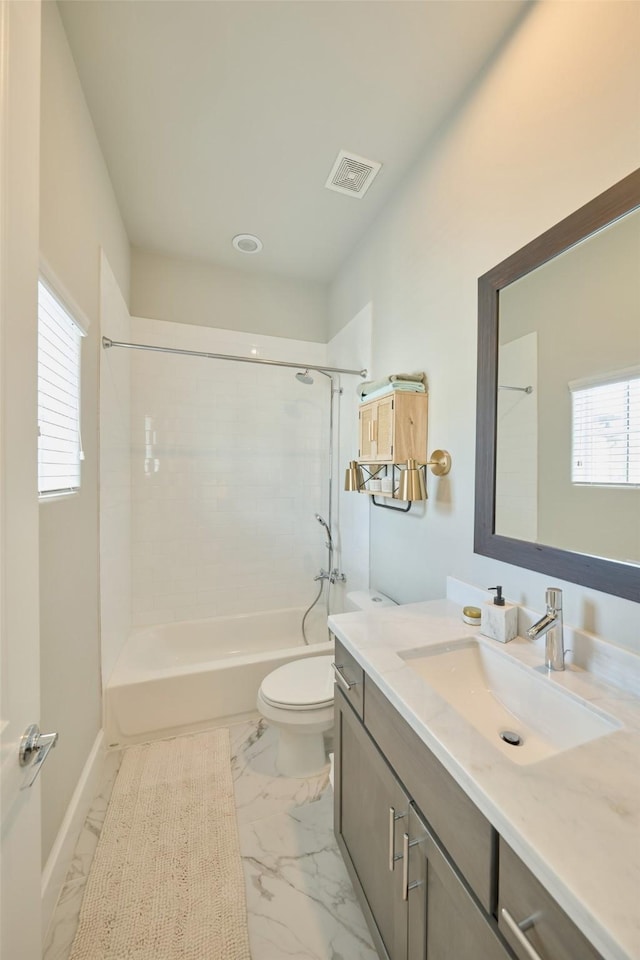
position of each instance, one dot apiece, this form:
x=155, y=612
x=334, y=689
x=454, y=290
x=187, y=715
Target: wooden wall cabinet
x=393, y=428
x=422, y=858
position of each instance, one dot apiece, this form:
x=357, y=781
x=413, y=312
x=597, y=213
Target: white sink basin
x=497, y=694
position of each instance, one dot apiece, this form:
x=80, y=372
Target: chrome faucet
x=550, y=627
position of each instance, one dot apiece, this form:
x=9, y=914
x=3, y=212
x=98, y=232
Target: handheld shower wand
x=331, y=575
x=323, y=523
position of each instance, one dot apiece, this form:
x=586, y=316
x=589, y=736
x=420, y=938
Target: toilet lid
x=301, y=683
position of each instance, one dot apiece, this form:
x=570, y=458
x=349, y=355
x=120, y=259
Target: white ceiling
x=220, y=117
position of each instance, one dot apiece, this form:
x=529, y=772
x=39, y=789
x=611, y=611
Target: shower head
x=304, y=376
x=323, y=523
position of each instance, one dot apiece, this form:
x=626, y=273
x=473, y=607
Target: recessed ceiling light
x=247, y=243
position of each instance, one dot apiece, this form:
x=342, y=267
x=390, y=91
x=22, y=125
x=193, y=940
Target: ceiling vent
x=352, y=174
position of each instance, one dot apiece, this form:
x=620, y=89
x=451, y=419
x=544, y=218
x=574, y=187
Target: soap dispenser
x=499, y=619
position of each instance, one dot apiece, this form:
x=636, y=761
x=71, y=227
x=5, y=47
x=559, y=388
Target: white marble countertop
x=573, y=818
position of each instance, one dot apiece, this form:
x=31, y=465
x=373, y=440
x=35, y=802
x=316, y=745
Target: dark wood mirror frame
x=610, y=576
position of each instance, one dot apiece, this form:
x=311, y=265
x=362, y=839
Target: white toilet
x=297, y=699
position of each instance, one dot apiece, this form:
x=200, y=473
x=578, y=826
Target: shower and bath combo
x=331, y=575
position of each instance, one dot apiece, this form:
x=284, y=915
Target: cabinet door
x=376, y=431
x=370, y=812
x=383, y=430
x=367, y=444
x=445, y=921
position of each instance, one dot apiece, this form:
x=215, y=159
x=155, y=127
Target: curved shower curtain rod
x=107, y=344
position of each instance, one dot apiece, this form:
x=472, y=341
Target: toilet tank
x=367, y=600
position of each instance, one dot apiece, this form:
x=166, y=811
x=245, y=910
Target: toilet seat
x=300, y=685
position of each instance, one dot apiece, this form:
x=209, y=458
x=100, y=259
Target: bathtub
x=184, y=677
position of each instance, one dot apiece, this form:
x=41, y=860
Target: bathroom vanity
x=458, y=851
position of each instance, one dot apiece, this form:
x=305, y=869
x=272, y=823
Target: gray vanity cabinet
x=433, y=878
x=370, y=809
x=416, y=902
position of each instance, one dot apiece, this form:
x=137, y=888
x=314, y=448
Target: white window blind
x=59, y=444
x=606, y=429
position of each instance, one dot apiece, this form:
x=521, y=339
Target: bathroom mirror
x=558, y=449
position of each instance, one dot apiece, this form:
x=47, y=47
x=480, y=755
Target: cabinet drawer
x=551, y=934
x=349, y=676
x=462, y=829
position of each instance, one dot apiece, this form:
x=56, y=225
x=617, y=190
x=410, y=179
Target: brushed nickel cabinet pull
x=340, y=677
x=393, y=857
x=406, y=886
x=517, y=930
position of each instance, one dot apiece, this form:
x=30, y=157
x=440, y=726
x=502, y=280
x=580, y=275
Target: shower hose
x=308, y=611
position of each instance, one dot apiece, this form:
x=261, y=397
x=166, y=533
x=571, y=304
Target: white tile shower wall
x=351, y=349
x=115, y=474
x=229, y=465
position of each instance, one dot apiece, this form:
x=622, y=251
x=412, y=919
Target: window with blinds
x=59, y=444
x=606, y=429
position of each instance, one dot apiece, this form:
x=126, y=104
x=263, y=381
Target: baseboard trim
x=59, y=860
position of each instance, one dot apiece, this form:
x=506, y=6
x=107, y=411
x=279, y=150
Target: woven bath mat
x=166, y=881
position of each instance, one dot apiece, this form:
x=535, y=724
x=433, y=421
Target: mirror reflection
x=568, y=406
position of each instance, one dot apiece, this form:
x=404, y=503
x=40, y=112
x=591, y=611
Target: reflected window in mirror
x=606, y=430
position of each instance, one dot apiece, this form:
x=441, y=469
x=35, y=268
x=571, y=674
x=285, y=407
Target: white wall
x=350, y=349
x=552, y=123
x=229, y=465
x=191, y=291
x=78, y=216
x=115, y=474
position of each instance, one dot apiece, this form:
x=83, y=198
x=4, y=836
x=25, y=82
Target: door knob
x=34, y=750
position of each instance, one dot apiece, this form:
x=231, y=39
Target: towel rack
x=519, y=389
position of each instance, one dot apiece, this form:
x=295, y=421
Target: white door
x=20, y=868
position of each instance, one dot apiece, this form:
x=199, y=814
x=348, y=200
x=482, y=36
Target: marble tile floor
x=65, y=919
x=300, y=902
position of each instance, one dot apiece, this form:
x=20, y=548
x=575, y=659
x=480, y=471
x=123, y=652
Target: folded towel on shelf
x=398, y=386
x=417, y=377
x=370, y=386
